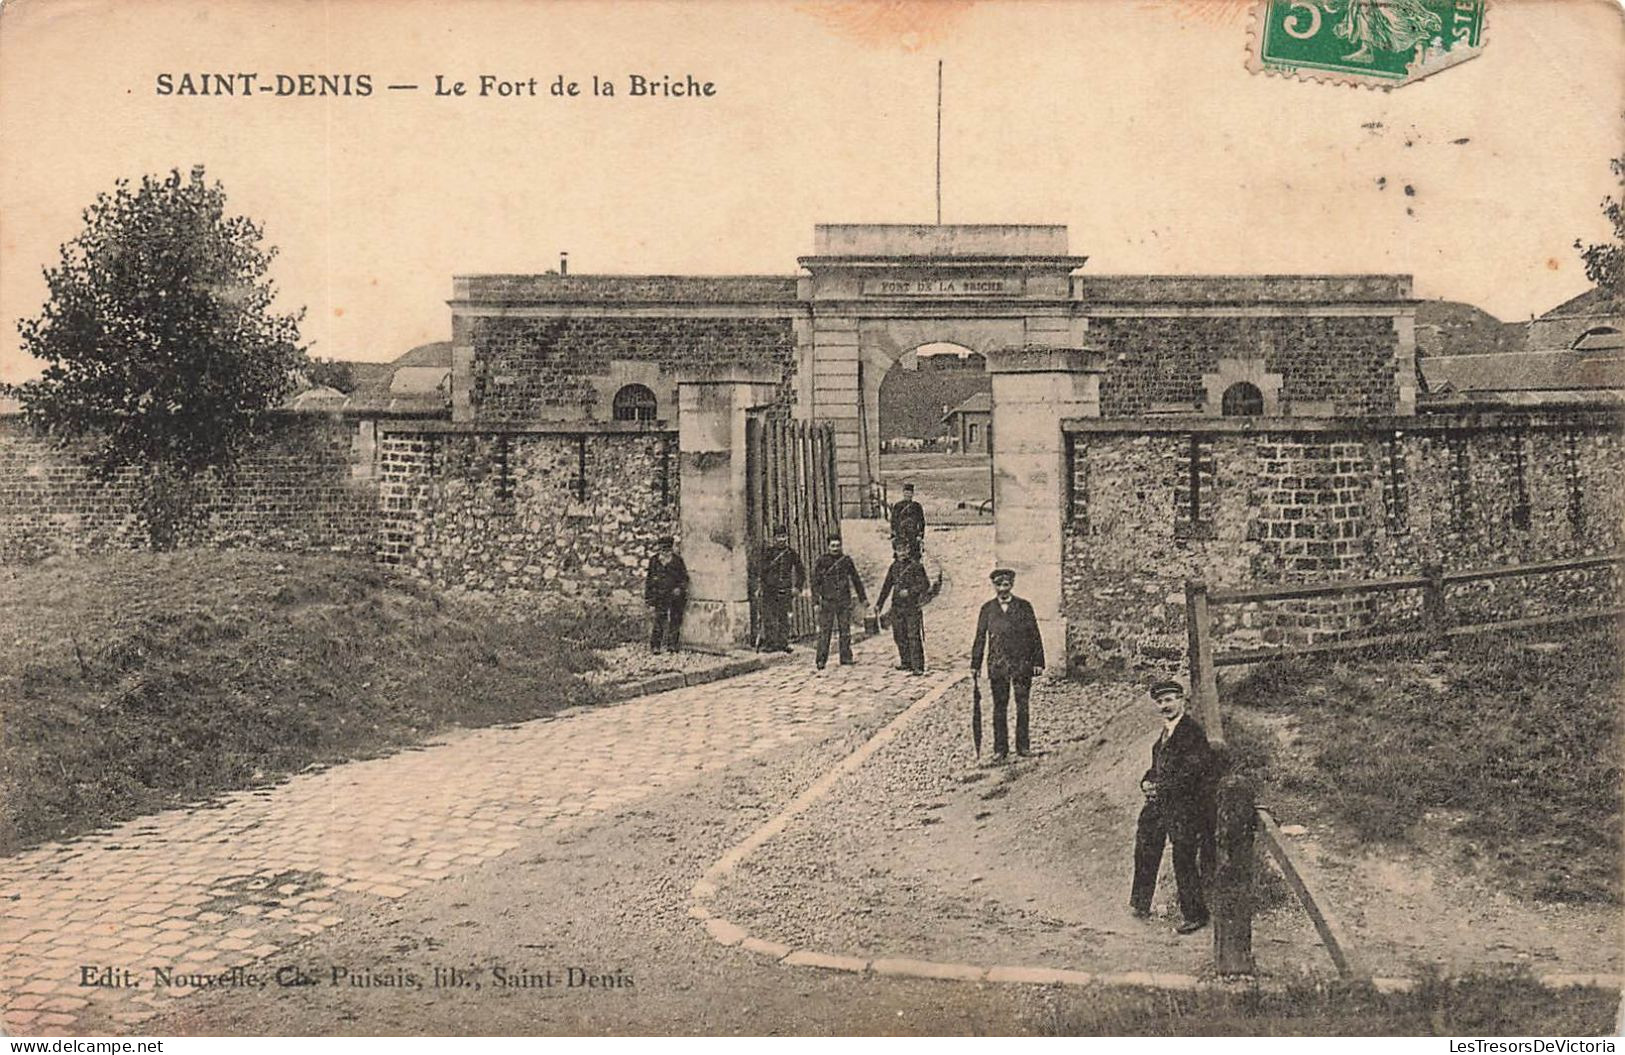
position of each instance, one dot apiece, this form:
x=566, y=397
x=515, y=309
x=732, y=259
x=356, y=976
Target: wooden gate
x=790, y=480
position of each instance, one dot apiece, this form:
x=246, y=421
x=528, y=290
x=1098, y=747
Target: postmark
x=1374, y=43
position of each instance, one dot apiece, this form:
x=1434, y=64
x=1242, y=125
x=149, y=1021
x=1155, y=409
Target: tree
x=161, y=346
x=1605, y=261
x=333, y=373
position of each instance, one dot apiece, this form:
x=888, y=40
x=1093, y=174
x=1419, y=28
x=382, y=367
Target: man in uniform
x=834, y=580
x=908, y=521
x=1178, y=792
x=665, y=590
x=908, y=585
x=780, y=576
x=1007, y=636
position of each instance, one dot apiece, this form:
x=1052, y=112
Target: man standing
x=908, y=585
x=908, y=521
x=780, y=576
x=1007, y=635
x=834, y=580
x=1178, y=790
x=665, y=589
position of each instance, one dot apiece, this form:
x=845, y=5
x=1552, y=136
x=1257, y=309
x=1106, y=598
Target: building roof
x=981, y=402
x=1561, y=370
x=321, y=397
x=1600, y=339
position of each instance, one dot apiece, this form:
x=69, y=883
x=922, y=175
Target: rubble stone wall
x=575, y=513
x=305, y=486
x=1242, y=505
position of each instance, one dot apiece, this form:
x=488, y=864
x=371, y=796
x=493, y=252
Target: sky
x=1133, y=122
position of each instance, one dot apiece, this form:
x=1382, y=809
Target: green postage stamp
x=1378, y=43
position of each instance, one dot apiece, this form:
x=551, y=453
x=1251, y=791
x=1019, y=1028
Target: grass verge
x=1482, y=1006
x=133, y=683
x=1518, y=742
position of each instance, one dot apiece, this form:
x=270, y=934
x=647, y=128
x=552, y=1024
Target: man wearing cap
x=1178, y=791
x=908, y=585
x=834, y=579
x=908, y=521
x=780, y=575
x=665, y=589
x=1007, y=637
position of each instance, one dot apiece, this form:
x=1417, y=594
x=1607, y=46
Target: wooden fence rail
x=1235, y=837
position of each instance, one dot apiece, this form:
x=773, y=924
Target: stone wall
x=535, y=369
x=571, y=512
x=1342, y=365
x=1153, y=504
x=306, y=486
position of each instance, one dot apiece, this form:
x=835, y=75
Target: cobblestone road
x=231, y=883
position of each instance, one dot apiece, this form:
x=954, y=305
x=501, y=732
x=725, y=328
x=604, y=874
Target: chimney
x=564, y=262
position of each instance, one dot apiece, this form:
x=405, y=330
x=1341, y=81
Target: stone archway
x=878, y=292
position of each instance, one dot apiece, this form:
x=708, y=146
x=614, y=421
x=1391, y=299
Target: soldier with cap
x=1007, y=637
x=1178, y=808
x=908, y=585
x=780, y=575
x=908, y=521
x=834, y=580
x=665, y=590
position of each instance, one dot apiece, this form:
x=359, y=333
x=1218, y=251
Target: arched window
x=1241, y=400
x=636, y=403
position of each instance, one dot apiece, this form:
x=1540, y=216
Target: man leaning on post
x=1007, y=637
x=1178, y=810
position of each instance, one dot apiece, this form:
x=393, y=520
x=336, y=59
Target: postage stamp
x=1376, y=43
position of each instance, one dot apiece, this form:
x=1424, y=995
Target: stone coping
x=1429, y=422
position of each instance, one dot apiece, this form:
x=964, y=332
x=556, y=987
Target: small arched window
x=1241, y=400
x=636, y=403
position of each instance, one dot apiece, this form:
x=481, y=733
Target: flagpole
x=939, y=142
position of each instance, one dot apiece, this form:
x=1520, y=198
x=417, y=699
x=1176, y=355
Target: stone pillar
x=1033, y=390
x=715, y=537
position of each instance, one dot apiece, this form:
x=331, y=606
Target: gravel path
x=927, y=854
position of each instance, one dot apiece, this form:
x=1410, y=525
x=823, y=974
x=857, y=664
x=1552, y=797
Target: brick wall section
x=570, y=513
x=1291, y=506
x=1347, y=361
x=528, y=369
x=295, y=491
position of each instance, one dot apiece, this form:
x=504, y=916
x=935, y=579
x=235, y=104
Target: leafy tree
x=161, y=346
x=334, y=373
x=1605, y=261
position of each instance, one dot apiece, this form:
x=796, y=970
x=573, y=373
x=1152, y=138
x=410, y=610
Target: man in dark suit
x=908, y=585
x=1007, y=637
x=908, y=522
x=1178, y=791
x=665, y=590
x=834, y=579
x=779, y=577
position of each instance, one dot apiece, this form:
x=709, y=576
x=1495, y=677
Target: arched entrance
x=935, y=426
x=878, y=293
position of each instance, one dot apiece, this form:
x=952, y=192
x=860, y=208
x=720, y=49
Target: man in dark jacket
x=779, y=577
x=1178, y=791
x=834, y=580
x=1007, y=636
x=665, y=590
x=908, y=521
x=908, y=585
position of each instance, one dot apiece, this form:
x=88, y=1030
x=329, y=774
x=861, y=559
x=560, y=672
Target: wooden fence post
x=1204, y=680
x=1233, y=878
x=1433, y=610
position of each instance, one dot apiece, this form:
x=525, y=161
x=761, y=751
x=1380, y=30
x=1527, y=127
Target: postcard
x=825, y=517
